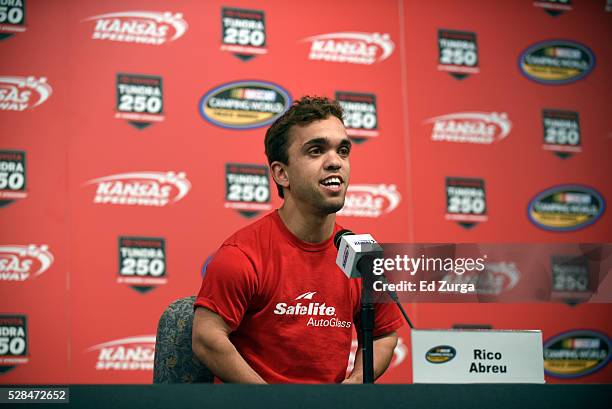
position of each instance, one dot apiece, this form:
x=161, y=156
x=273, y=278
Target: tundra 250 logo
x=20, y=263
x=21, y=93
x=360, y=114
x=141, y=188
x=370, y=200
x=140, y=99
x=243, y=32
x=13, y=341
x=12, y=18
x=247, y=188
x=142, y=262
x=466, y=201
x=140, y=27
x=127, y=354
x=351, y=47
x=470, y=127
x=12, y=176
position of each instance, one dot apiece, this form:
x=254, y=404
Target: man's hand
x=383, y=352
x=211, y=344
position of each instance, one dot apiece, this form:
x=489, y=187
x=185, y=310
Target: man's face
x=318, y=170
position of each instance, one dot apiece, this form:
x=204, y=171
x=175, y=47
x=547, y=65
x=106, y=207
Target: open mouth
x=333, y=183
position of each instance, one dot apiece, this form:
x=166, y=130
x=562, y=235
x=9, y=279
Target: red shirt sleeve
x=387, y=319
x=228, y=286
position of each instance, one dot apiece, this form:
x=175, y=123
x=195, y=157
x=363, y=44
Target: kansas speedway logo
x=457, y=53
x=12, y=177
x=466, y=201
x=566, y=208
x=12, y=18
x=561, y=132
x=142, y=262
x=140, y=27
x=24, y=262
x=21, y=93
x=370, y=200
x=574, y=354
x=360, y=115
x=556, y=62
x=13, y=341
x=351, y=47
x=141, y=188
x=247, y=188
x=140, y=99
x=440, y=354
x=244, y=104
x=126, y=354
x=554, y=7
x=470, y=127
x=243, y=32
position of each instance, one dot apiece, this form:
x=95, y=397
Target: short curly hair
x=302, y=112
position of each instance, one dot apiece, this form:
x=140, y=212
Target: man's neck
x=308, y=227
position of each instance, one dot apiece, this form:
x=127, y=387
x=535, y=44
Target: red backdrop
x=115, y=90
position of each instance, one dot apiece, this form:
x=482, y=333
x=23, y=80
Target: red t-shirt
x=290, y=308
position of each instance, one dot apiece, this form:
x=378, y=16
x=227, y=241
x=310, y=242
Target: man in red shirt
x=273, y=306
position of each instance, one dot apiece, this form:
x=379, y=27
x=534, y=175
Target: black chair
x=174, y=358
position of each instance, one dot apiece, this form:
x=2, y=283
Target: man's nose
x=333, y=161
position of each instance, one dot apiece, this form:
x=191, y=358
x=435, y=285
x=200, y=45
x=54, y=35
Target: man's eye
x=315, y=151
x=344, y=151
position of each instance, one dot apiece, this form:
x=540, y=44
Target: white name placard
x=477, y=356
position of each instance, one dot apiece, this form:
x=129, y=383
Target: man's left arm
x=383, y=353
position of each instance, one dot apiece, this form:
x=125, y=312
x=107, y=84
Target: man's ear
x=279, y=173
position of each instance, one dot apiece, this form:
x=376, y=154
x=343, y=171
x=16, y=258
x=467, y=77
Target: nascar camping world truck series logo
x=556, y=62
x=457, y=53
x=566, y=208
x=244, y=104
x=351, y=47
x=140, y=99
x=142, y=262
x=24, y=262
x=12, y=18
x=561, y=132
x=466, y=201
x=243, y=32
x=22, y=93
x=141, y=188
x=13, y=341
x=12, y=176
x=247, y=188
x=140, y=27
x=360, y=114
x=576, y=353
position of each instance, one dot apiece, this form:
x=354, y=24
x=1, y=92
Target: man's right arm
x=211, y=344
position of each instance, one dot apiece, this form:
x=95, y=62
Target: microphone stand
x=367, y=326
